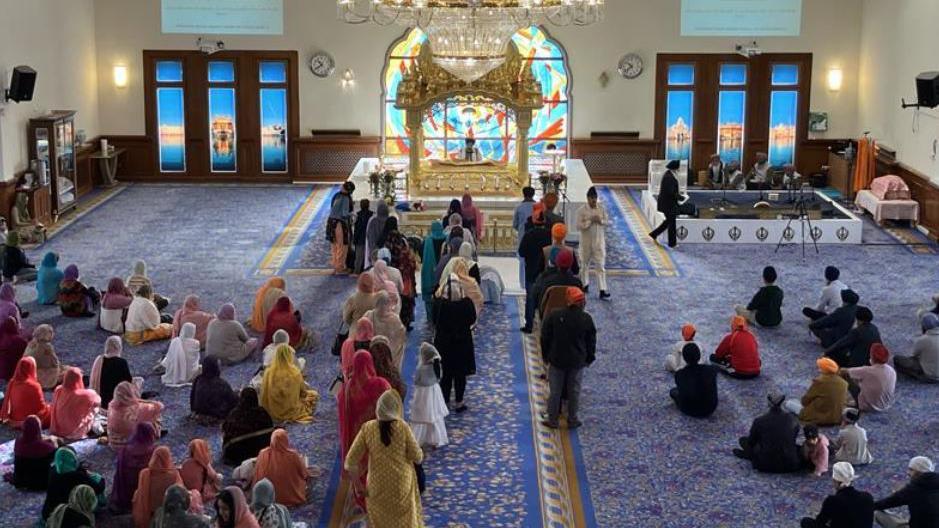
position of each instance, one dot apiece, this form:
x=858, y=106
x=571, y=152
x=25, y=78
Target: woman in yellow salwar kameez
x=284, y=393
x=392, y=495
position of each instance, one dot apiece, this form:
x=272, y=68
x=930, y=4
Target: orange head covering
x=827, y=365
x=575, y=296
x=153, y=482
x=879, y=354
x=559, y=232
x=258, y=315
x=197, y=472
x=285, y=468
x=688, y=331
x=738, y=323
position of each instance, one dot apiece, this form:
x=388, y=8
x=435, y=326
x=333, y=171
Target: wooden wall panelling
x=813, y=154
x=610, y=160
x=137, y=162
x=331, y=158
x=8, y=196
x=922, y=189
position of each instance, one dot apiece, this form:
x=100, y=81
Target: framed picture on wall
x=818, y=121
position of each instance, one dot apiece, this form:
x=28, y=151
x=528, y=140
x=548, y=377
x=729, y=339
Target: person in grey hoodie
x=924, y=363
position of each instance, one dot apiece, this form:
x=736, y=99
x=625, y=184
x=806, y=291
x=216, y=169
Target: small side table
x=108, y=163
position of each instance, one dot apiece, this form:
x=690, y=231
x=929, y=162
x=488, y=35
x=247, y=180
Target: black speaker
x=22, y=84
x=927, y=89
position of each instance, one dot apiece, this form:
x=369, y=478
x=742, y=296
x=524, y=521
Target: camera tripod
x=802, y=214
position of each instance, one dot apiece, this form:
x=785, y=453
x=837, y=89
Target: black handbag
x=340, y=338
x=421, y=477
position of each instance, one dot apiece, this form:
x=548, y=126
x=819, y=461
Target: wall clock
x=322, y=64
x=630, y=66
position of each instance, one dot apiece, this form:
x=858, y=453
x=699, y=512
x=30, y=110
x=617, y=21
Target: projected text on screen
x=223, y=17
x=741, y=18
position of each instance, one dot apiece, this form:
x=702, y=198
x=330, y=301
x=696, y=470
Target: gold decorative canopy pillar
x=511, y=84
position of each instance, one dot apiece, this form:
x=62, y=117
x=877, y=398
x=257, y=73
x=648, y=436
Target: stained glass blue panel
x=222, y=148
x=731, y=113
x=681, y=74
x=785, y=74
x=274, y=130
x=169, y=71
x=679, y=125
x=783, y=118
x=221, y=71
x=273, y=72
x=733, y=74
x=172, y=129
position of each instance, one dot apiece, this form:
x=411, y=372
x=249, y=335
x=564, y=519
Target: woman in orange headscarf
x=197, y=471
x=24, y=396
x=153, y=482
x=264, y=300
x=285, y=468
x=73, y=407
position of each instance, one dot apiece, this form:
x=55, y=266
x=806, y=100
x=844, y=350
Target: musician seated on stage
x=758, y=177
x=790, y=178
x=716, y=171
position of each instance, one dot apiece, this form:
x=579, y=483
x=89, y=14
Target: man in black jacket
x=921, y=496
x=838, y=323
x=854, y=349
x=696, y=385
x=848, y=507
x=667, y=204
x=771, y=445
x=568, y=345
x=531, y=248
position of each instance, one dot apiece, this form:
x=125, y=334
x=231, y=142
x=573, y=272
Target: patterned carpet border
x=291, y=236
x=657, y=256
x=565, y=494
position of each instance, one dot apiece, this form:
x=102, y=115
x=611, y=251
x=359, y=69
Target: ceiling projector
x=748, y=50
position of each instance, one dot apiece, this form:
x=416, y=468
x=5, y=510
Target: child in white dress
x=428, y=408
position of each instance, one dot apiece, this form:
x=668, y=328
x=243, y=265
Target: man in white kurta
x=592, y=220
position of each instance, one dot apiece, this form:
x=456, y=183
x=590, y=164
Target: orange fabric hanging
x=865, y=164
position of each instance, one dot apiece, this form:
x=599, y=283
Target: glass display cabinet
x=51, y=140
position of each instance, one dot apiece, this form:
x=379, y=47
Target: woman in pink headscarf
x=360, y=340
x=356, y=404
x=388, y=279
x=359, y=302
x=472, y=217
x=114, y=304
x=73, y=407
x=10, y=308
x=192, y=313
x=127, y=410
x=74, y=298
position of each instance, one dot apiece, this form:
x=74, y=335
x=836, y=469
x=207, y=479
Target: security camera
x=208, y=48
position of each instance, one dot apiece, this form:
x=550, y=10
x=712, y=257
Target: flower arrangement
x=551, y=181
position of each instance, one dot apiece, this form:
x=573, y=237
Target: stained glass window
x=171, y=116
x=491, y=124
x=731, y=112
x=783, y=114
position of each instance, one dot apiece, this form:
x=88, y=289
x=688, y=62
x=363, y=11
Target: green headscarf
x=429, y=257
x=13, y=239
x=82, y=499
x=65, y=461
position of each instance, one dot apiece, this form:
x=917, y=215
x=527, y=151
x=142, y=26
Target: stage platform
x=733, y=218
x=498, y=235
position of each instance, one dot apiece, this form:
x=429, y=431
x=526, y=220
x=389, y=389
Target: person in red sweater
x=738, y=355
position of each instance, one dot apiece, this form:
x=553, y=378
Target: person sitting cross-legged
x=771, y=445
x=920, y=496
x=851, y=443
x=830, y=299
x=923, y=364
x=824, y=401
x=832, y=327
x=696, y=385
x=873, y=386
x=853, y=350
x=848, y=507
x=738, y=355
x=674, y=360
x=765, y=307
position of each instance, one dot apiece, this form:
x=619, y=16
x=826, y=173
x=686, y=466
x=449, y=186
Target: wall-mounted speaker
x=927, y=89
x=22, y=84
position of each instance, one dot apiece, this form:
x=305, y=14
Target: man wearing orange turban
x=674, y=361
x=568, y=345
x=531, y=249
x=823, y=404
x=550, y=201
x=558, y=237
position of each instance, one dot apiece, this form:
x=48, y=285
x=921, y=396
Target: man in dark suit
x=667, y=204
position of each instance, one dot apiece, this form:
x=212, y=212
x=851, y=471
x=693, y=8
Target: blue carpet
x=638, y=461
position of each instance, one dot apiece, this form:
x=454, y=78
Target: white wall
x=899, y=41
x=830, y=31
x=56, y=38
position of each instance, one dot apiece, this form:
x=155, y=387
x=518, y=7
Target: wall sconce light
x=348, y=78
x=120, y=76
x=835, y=79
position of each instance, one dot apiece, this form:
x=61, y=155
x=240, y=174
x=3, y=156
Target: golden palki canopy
x=510, y=84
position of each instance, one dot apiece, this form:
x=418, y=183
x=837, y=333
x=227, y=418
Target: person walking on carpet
x=568, y=345
x=667, y=204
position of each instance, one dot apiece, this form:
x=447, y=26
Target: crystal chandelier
x=469, y=37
